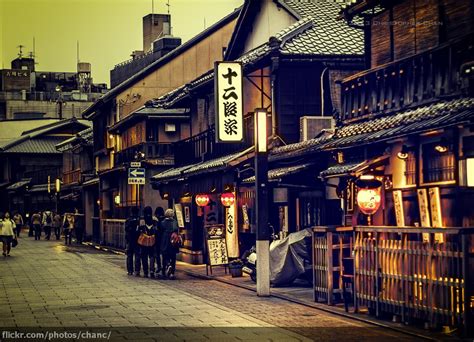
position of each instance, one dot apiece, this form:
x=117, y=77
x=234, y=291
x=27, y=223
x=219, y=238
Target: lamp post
x=59, y=101
x=139, y=156
x=261, y=200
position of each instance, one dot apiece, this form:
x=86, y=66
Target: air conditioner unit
x=311, y=126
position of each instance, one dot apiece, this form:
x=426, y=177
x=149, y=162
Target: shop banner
x=424, y=211
x=228, y=102
x=398, y=205
x=232, y=235
x=436, y=214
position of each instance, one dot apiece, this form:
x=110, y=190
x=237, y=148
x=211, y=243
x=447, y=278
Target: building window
x=410, y=169
x=437, y=167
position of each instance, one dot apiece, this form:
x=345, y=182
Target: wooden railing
x=407, y=82
x=422, y=274
x=71, y=177
x=331, y=246
x=112, y=232
x=150, y=150
x=202, y=147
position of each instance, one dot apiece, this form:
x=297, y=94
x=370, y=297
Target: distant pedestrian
x=78, y=226
x=18, y=223
x=47, y=222
x=6, y=232
x=147, y=240
x=131, y=237
x=57, y=222
x=68, y=226
x=159, y=216
x=36, y=221
x=170, y=242
x=29, y=220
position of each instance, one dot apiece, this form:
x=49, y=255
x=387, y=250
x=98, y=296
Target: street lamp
x=57, y=185
x=60, y=101
x=261, y=203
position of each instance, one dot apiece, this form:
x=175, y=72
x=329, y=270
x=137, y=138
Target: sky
x=107, y=30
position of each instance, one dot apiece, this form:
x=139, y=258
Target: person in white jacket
x=6, y=233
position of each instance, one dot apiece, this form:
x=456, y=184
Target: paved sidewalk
x=47, y=285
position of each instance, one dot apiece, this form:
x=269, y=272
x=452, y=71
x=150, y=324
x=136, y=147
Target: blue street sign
x=136, y=175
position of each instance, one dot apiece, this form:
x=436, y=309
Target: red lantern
x=369, y=200
x=202, y=200
x=227, y=199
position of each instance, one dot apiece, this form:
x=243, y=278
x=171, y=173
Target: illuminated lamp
x=368, y=195
x=202, y=200
x=442, y=146
x=117, y=199
x=227, y=199
x=403, y=154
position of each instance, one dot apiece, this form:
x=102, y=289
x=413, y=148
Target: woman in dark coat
x=158, y=217
x=147, y=253
x=168, y=251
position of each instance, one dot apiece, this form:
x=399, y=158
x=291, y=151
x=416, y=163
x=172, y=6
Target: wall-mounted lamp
x=403, y=154
x=442, y=146
x=117, y=199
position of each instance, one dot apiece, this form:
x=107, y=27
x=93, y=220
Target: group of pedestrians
x=50, y=222
x=152, y=242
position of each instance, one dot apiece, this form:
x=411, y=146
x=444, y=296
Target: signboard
x=231, y=232
x=228, y=102
x=424, y=211
x=211, y=211
x=135, y=164
x=136, y=175
x=216, y=245
x=435, y=210
x=245, y=217
x=398, y=206
x=178, y=208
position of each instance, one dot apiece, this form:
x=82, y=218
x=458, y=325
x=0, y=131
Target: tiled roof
x=85, y=137
x=328, y=36
x=340, y=169
x=437, y=115
x=20, y=184
x=206, y=166
x=39, y=145
x=293, y=150
x=275, y=174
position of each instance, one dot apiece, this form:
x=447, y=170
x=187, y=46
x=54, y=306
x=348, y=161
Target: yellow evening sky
x=107, y=30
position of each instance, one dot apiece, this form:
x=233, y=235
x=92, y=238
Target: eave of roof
x=88, y=113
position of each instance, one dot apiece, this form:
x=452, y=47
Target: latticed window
x=410, y=169
x=437, y=166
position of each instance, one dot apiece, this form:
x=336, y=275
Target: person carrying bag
x=146, y=241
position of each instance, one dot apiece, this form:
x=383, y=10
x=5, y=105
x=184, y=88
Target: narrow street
x=47, y=285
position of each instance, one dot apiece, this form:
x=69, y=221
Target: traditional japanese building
x=292, y=52
x=31, y=164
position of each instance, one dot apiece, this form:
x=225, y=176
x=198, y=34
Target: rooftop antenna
x=168, y=5
x=77, y=51
x=204, y=22
x=20, y=54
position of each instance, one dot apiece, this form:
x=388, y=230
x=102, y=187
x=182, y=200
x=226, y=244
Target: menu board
x=216, y=245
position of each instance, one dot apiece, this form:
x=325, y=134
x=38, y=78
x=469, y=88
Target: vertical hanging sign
x=232, y=236
x=229, y=102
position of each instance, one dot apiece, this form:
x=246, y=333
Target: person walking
x=6, y=233
x=169, y=244
x=78, y=226
x=18, y=219
x=36, y=221
x=47, y=222
x=57, y=222
x=147, y=241
x=68, y=226
x=29, y=220
x=158, y=217
x=131, y=237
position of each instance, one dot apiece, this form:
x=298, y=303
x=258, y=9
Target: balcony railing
x=72, y=177
x=202, y=147
x=41, y=176
x=420, y=274
x=407, y=82
x=151, y=150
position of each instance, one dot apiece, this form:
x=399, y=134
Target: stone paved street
x=46, y=285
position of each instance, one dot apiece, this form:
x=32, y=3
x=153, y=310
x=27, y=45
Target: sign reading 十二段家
x=228, y=100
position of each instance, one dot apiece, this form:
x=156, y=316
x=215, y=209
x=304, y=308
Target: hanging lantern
x=202, y=200
x=227, y=199
x=368, y=196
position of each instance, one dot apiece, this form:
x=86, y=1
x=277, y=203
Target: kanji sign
x=229, y=101
x=136, y=175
